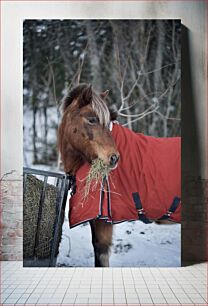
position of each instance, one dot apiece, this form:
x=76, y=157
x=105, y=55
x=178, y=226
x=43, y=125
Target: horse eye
x=92, y=120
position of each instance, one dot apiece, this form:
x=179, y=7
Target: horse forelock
x=72, y=95
x=98, y=104
x=101, y=110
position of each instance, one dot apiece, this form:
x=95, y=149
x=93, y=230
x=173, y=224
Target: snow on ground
x=135, y=244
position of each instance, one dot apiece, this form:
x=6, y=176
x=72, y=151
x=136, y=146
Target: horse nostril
x=114, y=159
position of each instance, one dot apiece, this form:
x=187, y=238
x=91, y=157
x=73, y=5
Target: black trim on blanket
x=88, y=220
x=109, y=200
x=102, y=192
x=101, y=196
x=108, y=221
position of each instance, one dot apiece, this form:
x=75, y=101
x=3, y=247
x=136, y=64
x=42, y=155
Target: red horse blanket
x=146, y=185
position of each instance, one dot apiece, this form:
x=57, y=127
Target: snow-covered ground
x=135, y=244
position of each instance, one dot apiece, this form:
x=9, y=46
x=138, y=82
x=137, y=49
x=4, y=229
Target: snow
x=135, y=244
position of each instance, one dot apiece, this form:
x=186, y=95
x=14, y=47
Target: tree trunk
x=34, y=110
x=45, y=152
x=158, y=82
x=94, y=57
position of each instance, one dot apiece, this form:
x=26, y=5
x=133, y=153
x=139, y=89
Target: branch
x=153, y=106
x=77, y=75
x=158, y=69
x=53, y=79
x=166, y=117
x=132, y=88
x=144, y=115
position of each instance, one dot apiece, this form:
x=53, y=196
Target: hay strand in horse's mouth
x=98, y=171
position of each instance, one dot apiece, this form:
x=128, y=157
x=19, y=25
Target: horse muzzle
x=113, y=160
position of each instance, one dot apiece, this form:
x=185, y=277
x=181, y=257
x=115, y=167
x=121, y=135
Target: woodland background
x=139, y=61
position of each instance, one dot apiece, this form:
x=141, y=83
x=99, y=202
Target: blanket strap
x=109, y=199
x=102, y=196
x=140, y=210
x=172, y=209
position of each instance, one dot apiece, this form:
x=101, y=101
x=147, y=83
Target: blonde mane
x=101, y=110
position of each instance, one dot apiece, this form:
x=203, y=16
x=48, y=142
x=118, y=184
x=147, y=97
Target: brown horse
x=84, y=136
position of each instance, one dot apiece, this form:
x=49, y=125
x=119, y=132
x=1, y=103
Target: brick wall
x=11, y=221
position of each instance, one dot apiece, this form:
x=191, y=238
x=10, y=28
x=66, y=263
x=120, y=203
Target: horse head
x=84, y=130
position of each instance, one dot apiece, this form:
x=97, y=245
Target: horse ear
x=86, y=97
x=104, y=94
x=113, y=112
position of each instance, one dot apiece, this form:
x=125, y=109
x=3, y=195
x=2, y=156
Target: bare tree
x=137, y=60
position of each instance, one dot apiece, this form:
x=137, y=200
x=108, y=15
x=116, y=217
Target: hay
x=31, y=205
x=98, y=171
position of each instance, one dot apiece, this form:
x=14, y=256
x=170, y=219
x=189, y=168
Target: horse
x=84, y=135
x=144, y=170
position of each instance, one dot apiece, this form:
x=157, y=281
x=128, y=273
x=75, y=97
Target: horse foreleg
x=101, y=239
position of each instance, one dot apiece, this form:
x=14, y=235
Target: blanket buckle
x=169, y=213
x=140, y=211
x=176, y=202
x=139, y=208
